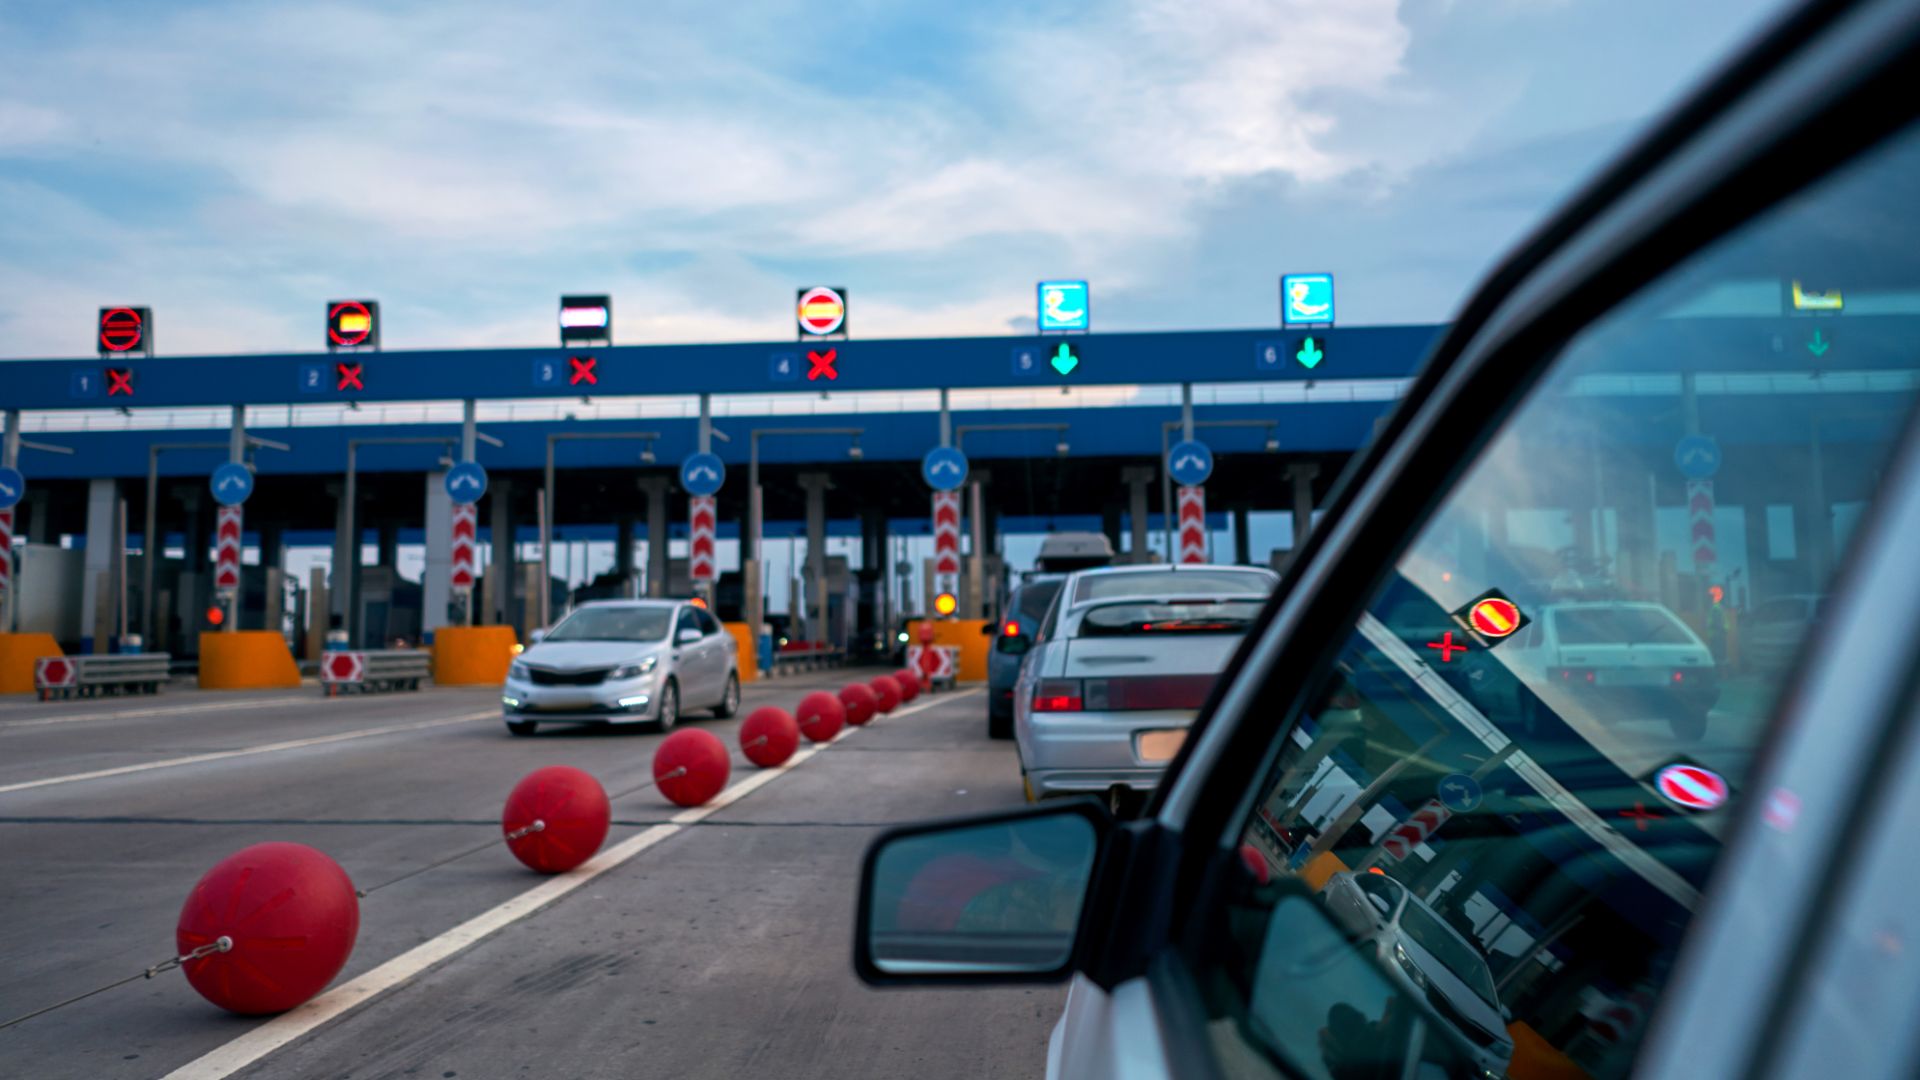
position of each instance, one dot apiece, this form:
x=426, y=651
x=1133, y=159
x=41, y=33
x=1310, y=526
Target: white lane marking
x=134, y=714
x=225, y=1060
x=247, y=751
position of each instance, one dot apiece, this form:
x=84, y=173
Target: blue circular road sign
x=1459, y=793
x=1698, y=457
x=13, y=488
x=1189, y=463
x=231, y=483
x=702, y=474
x=466, y=482
x=944, y=468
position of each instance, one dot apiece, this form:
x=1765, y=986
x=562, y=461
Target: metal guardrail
x=374, y=670
x=792, y=663
x=91, y=676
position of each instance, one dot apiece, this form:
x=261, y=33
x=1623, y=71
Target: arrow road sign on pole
x=1189, y=463
x=466, y=482
x=944, y=468
x=702, y=474
x=1697, y=457
x=13, y=488
x=231, y=483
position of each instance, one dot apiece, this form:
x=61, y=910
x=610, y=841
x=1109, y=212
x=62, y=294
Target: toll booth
x=390, y=606
x=841, y=603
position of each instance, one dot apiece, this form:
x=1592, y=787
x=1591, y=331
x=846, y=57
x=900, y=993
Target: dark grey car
x=1012, y=640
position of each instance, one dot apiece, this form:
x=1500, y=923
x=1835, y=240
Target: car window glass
x=1032, y=603
x=1172, y=583
x=686, y=622
x=612, y=624
x=708, y=624
x=1555, y=812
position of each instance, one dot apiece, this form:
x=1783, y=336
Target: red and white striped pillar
x=946, y=542
x=6, y=553
x=226, y=552
x=1192, y=534
x=465, y=565
x=1706, y=554
x=703, y=520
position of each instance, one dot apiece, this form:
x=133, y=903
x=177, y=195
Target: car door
x=690, y=660
x=717, y=652
x=1546, y=455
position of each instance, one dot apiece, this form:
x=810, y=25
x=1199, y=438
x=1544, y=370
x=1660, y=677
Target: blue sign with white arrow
x=1459, y=793
x=13, y=488
x=1698, y=457
x=231, y=483
x=944, y=468
x=466, y=482
x=702, y=474
x=1189, y=463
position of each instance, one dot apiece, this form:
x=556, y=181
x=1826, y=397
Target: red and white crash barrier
x=939, y=663
x=1414, y=831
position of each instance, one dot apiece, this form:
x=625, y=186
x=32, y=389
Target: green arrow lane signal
x=1310, y=354
x=1819, y=345
x=1063, y=360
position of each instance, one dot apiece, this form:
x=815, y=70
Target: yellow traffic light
x=945, y=604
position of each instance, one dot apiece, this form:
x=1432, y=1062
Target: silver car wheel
x=669, y=706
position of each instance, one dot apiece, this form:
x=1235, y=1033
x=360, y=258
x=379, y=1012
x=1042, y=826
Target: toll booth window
x=1542, y=726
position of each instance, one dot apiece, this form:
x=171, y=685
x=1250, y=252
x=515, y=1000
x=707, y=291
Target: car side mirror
x=687, y=636
x=535, y=637
x=986, y=629
x=1013, y=644
x=998, y=898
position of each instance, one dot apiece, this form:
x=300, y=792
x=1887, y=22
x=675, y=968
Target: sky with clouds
x=235, y=165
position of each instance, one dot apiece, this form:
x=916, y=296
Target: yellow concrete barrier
x=967, y=635
x=246, y=660
x=472, y=655
x=17, y=654
x=748, y=659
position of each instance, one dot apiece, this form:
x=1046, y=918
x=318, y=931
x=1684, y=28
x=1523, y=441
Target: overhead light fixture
x=646, y=454
x=1060, y=448
x=854, y=451
x=1273, y=443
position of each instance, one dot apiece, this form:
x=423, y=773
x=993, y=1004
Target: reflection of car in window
x=1613, y=661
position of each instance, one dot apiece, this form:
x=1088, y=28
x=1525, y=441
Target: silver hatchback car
x=624, y=662
x=1124, y=660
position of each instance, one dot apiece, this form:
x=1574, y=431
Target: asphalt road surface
x=719, y=946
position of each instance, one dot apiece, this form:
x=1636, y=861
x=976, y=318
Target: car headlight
x=634, y=671
x=1407, y=965
x=517, y=670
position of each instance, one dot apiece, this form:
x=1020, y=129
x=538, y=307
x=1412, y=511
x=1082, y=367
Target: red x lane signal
x=822, y=364
x=119, y=381
x=1447, y=647
x=349, y=376
x=583, y=371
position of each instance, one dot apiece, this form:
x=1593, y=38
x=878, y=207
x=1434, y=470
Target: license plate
x=1156, y=746
x=1629, y=677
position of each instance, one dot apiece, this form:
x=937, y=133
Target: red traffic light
x=216, y=615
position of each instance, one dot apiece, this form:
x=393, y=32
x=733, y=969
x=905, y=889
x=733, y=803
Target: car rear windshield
x=1172, y=583
x=1182, y=617
x=614, y=624
x=1620, y=626
x=1030, y=605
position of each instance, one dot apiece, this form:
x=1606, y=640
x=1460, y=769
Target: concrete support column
x=623, y=553
x=974, y=595
x=816, y=485
x=875, y=615
x=1138, y=478
x=1242, y=542
x=1302, y=477
x=102, y=554
x=39, y=515
x=500, y=572
x=656, y=490
x=436, y=581
x=346, y=552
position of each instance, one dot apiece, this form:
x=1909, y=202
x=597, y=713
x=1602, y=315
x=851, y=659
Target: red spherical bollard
x=769, y=736
x=821, y=716
x=1256, y=863
x=287, y=916
x=861, y=702
x=691, y=766
x=886, y=693
x=556, y=818
x=909, y=685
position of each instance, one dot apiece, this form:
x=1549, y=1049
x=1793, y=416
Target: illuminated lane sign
x=1491, y=617
x=353, y=324
x=119, y=382
x=586, y=320
x=582, y=371
x=821, y=364
x=1306, y=299
x=125, y=330
x=1065, y=307
x=1804, y=300
x=347, y=376
x=821, y=311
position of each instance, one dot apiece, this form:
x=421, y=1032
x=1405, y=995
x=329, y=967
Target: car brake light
x=1576, y=675
x=1679, y=676
x=1057, y=695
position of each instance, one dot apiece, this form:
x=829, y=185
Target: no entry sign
x=822, y=311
